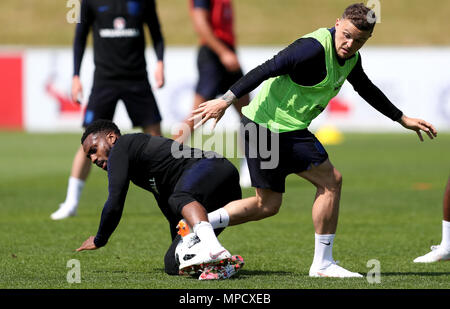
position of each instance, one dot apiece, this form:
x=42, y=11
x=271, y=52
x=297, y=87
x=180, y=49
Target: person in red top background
x=217, y=62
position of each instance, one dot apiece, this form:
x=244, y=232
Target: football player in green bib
x=299, y=83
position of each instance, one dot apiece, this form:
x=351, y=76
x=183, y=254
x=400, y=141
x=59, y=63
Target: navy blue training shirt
x=119, y=40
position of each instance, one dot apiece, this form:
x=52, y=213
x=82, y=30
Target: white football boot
x=438, y=253
x=197, y=258
x=332, y=270
x=193, y=256
x=65, y=210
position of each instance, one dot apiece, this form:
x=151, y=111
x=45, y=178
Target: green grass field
x=391, y=211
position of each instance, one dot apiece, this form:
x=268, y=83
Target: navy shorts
x=212, y=182
x=272, y=156
x=214, y=79
x=136, y=95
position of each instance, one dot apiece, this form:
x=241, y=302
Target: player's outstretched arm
x=213, y=109
x=88, y=244
x=418, y=125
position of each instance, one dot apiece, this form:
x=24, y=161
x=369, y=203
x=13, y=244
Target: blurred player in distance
x=299, y=82
x=441, y=252
x=184, y=188
x=120, y=74
x=217, y=62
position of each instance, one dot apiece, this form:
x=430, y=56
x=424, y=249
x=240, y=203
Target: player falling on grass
x=441, y=252
x=301, y=80
x=186, y=183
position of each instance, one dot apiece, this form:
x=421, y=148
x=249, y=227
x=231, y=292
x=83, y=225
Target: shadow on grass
x=246, y=273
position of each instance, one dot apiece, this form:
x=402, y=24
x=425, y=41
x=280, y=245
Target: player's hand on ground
x=418, y=125
x=213, y=109
x=77, y=90
x=159, y=74
x=88, y=244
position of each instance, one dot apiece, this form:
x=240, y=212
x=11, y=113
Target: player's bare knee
x=333, y=182
x=268, y=207
x=272, y=210
x=337, y=179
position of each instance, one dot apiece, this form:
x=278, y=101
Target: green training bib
x=283, y=106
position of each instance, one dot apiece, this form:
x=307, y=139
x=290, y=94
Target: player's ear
x=111, y=137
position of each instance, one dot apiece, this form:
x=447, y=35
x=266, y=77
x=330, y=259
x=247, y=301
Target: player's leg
x=442, y=251
x=79, y=173
x=213, y=198
x=209, y=250
x=446, y=202
x=325, y=211
x=265, y=204
x=328, y=182
x=101, y=105
x=192, y=198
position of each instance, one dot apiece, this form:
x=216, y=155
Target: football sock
x=205, y=232
x=323, y=250
x=219, y=218
x=74, y=189
x=445, y=243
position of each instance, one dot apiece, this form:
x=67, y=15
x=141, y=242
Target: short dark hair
x=361, y=16
x=100, y=125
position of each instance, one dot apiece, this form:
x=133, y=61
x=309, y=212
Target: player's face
x=348, y=38
x=97, y=147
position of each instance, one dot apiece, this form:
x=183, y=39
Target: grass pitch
x=391, y=211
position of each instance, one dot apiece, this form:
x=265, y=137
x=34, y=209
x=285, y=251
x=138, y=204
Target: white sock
x=219, y=218
x=445, y=243
x=74, y=189
x=323, y=250
x=205, y=232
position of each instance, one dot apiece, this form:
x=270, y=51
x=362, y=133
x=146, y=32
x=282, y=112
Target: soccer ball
x=186, y=248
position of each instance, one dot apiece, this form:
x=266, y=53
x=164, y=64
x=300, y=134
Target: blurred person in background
x=217, y=62
x=120, y=74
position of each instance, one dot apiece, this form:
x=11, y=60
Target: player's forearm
x=381, y=103
x=376, y=98
x=109, y=220
x=229, y=97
